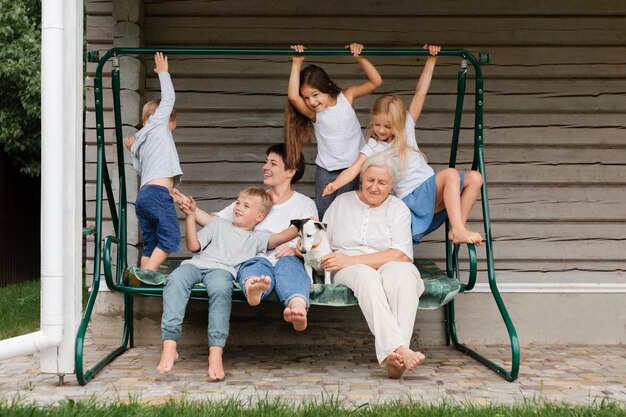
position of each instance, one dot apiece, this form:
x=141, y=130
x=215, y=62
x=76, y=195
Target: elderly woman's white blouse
x=354, y=228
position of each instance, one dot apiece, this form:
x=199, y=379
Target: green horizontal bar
x=285, y=51
x=282, y=51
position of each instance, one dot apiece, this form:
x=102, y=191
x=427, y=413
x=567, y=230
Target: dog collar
x=315, y=246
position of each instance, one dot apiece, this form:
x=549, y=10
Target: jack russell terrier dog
x=314, y=246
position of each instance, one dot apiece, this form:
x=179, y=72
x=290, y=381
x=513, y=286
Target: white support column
x=52, y=162
x=60, y=360
x=52, y=166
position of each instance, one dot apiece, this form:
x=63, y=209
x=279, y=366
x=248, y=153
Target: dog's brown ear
x=297, y=223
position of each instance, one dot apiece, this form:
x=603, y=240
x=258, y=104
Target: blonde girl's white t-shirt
x=355, y=228
x=279, y=218
x=416, y=169
x=338, y=134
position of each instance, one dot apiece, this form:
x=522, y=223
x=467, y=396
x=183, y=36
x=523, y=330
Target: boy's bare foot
x=216, y=367
x=410, y=358
x=295, y=313
x=465, y=236
x=395, y=367
x=255, y=287
x=168, y=357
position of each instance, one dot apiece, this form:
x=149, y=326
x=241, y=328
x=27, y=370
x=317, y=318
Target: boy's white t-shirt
x=279, y=218
x=416, y=169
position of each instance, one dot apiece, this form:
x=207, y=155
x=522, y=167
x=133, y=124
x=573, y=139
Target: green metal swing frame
x=119, y=214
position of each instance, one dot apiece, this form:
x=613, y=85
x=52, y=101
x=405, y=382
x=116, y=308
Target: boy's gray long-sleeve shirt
x=154, y=151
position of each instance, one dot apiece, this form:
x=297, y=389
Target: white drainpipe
x=52, y=227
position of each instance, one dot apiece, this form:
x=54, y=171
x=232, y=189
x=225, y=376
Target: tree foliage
x=20, y=81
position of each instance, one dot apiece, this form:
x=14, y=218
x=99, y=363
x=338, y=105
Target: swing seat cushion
x=439, y=288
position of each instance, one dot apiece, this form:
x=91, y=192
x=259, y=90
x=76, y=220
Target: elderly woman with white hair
x=370, y=233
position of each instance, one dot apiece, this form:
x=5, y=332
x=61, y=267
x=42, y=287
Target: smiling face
x=315, y=99
x=381, y=125
x=274, y=172
x=376, y=184
x=248, y=212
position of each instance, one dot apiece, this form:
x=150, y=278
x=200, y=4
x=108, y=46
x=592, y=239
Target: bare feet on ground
x=410, y=358
x=216, y=367
x=395, y=367
x=255, y=287
x=465, y=236
x=168, y=357
x=295, y=313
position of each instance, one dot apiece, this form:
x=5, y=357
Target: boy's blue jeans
x=289, y=278
x=219, y=288
x=156, y=214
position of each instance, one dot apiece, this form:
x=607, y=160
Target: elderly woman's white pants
x=388, y=298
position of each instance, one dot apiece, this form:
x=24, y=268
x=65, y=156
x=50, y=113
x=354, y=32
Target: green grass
x=19, y=304
x=265, y=408
x=20, y=307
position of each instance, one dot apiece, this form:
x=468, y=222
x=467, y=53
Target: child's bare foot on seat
x=410, y=358
x=168, y=357
x=394, y=365
x=295, y=313
x=255, y=287
x=216, y=367
x=465, y=236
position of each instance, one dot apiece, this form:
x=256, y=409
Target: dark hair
x=298, y=129
x=317, y=78
x=300, y=165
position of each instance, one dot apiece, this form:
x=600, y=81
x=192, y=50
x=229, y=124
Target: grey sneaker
x=146, y=276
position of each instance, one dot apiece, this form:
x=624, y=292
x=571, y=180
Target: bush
x=20, y=103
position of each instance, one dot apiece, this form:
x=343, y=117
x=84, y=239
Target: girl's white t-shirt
x=416, y=169
x=279, y=218
x=338, y=134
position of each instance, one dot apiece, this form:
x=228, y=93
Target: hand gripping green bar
x=119, y=217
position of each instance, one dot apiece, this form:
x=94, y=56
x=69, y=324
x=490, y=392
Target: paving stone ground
x=572, y=374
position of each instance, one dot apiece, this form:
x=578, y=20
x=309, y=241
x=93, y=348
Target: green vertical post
x=478, y=163
x=456, y=131
x=119, y=145
x=102, y=181
x=122, y=235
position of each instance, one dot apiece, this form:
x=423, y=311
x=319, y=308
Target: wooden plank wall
x=555, y=104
